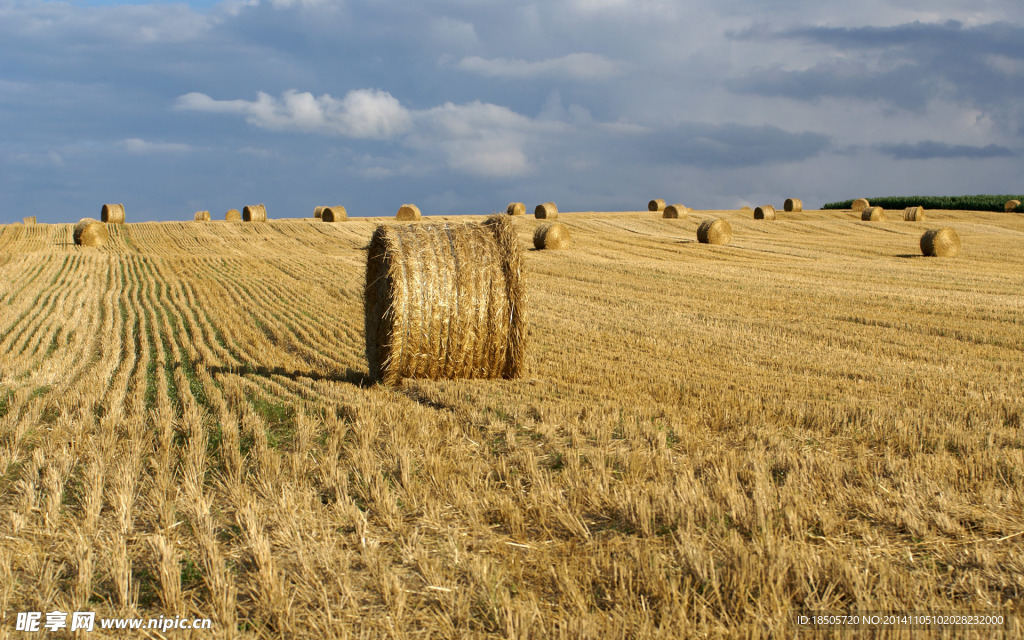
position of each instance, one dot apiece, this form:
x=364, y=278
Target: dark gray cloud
x=929, y=150
x=733, y=145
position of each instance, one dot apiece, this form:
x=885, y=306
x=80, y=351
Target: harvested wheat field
x=707, y=440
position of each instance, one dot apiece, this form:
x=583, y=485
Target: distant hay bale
x=1011, y=205
x=675, y=211
x=318, y=212
x=334, y=214
x=551, y=235
x=714, y=231
x=872, y=214
x=254, y=213
x=112, y=213
x=744, y=208
x=445, y=301
x=941, y=243
x=202, y=216
x=860, y=204
x=546, y=211
x=766, y=212
x=29, y=220
x=656, y=205
x=516, y=209
x=408, y=212
x=913, y=214
x=233, y=215
x=90, y=232
x=793, y=204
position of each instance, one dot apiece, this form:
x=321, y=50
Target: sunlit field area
x=708, y=440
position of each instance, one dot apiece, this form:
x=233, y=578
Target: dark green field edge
x=960, y=203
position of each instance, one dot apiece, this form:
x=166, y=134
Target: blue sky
x=461, y=106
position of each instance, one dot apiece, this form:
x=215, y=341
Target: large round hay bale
x=516, y=209
x=941, y=243
x=90, y=232
x=254, y=213
x=334, y=214
x=547, y=211
x=913, y=214
x=29, y=220
x=1012, y=205
x=793, y=204
x=445, y=301
x=233, y=215
x=656, y=205
x=675, y=211
x=765, y=212
x=744, y=208
x=112, y=213
x=408, y=212
x=860, y=204
x=551, y=235
x=318, y=212
x=714, y=231
x=872, y=214
x=202, y=216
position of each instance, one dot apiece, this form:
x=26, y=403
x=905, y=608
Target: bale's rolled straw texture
x=766, y=212
x=254, y=213
x=202, y=216
x=793, y=204
x=860, y=204
x=714, y=231
x=29, y=219
x=1011, y=205
x=941, y=243
x=408, y=212
x=551, y=235
x=90, y=232
x=318, y=212
x=913, y=214
x=445, y=301
x=516, y=209
x=675, y=211
x=233, y=215
x=656, y=205
x=547, y=211
x=334, y=214
x=872, y=214
x=112, y=213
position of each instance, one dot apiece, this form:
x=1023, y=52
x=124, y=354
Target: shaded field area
x=708, y=440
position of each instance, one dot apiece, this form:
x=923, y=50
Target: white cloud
x=363, y=113
x=577, y=66
x=138, y=145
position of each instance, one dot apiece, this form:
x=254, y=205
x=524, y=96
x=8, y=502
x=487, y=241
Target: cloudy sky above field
x=464, y=105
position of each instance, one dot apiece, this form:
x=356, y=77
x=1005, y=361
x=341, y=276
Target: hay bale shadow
x=357, y=377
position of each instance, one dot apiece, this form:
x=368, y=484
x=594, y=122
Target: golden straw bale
x=445, y=301
x=872, y=214
x=793, y=204
x=254, y=213
x=408, y=212
x=744, y=208
x=656, y=205
x=551, y=235
x=90, y=232
x=714, y=231
x=29, y=220
x=202, y=216
x=766, y=212
x=318, y=212
x=942, y=243
x=1011, y=205
x=112, y=213
x=548, y=211
x=516, y=209
x=334, y=214
x=913, y=214
x=233, y=215
x=860, y=204
x=675, y=211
